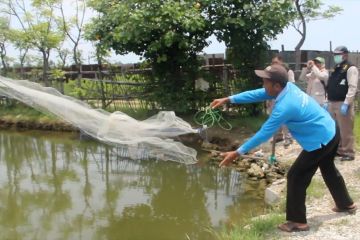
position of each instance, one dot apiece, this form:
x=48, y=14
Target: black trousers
x=301, y=173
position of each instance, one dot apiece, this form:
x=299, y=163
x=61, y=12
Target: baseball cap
x=319, y=59
x=273, y=72
x=341, y=49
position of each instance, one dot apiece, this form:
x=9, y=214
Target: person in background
x=283, y=133
x=341, y=91
x=317, y=80
x=277, y=59
x=312, y=127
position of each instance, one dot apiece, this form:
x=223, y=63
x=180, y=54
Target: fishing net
x=148, y=139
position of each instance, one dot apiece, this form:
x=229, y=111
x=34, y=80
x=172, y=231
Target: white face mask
x=338, y=59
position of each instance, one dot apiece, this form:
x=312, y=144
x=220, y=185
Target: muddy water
x=54, y=186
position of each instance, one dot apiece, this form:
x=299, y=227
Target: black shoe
x=347, y=158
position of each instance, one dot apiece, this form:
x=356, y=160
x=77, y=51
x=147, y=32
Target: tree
x=20, y=42
x=101, y=53
x=63, y=54
x=309, y=10
x=245, y=27
x=167, y=33
x=171, y=33
x=4, y=39
x=73, y=29
x=38, y=25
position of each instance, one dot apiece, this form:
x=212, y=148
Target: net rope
x=148, y=139
x=209, y=117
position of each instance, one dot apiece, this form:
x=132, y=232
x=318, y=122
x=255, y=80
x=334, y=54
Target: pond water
x=54, y=186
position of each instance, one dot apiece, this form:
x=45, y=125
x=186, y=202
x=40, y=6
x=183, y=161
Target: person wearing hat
x=317, y=79
x=311, y=126
x=341, y=91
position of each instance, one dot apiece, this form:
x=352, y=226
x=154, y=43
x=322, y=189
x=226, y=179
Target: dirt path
x=324, y=223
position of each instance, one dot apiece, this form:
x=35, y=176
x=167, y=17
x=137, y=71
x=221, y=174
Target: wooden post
x=330, y=44
x=225, y=81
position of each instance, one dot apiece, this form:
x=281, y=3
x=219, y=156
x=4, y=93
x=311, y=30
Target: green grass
x=257, y=229
x=317, y=188
x=138, y=114
x=265, y=227
x=19, y=111
x=357, y=130
x=253, y=123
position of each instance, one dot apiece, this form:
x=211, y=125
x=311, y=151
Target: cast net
x=148, y=139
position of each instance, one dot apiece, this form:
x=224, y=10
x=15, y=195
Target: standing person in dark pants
x=312, y=127
x=342, y=87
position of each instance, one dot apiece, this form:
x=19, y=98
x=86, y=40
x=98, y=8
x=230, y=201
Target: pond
x=54, y=186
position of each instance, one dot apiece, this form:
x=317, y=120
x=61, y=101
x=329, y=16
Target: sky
x=341, y=30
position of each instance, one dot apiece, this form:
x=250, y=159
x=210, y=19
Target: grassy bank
x=16, y=114
x=20, y=116
x=357, y=131
x=255, y=229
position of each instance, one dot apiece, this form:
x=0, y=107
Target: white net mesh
x=148, y=139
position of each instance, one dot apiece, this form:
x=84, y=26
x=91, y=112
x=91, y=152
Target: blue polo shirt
x=308, y=123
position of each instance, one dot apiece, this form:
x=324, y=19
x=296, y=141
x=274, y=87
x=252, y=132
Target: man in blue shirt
x=314, y=130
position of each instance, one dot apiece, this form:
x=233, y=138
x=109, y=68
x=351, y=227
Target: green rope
x=209, y=117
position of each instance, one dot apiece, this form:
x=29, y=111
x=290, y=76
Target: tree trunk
x=45, y=67
x=302, y=40
x=102, y=88
x=3, y=57
x=22, y=61
x=78, y=66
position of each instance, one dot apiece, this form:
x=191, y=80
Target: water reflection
x=56, y=187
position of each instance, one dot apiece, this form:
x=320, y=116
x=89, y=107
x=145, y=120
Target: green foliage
x=19, y=39
x=149, y=28
x=251, y=123
x=35, y=74
x=316, y=189
x=357, y=128
x=4, y=30
x=256, y=229
x=171, y=33
x=316, y=9
x=42, y=37
x=16, y=110
x=36, y=20
x=309, y=10
x=167, y=33
x=57, y=74
x=130, y=86
x=245, y=26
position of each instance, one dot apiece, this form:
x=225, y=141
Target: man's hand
x=344, y=109
x=310, y=64
x=228, y=157
x=219, y=102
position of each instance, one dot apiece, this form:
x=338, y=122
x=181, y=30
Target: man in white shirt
x=317, y=80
